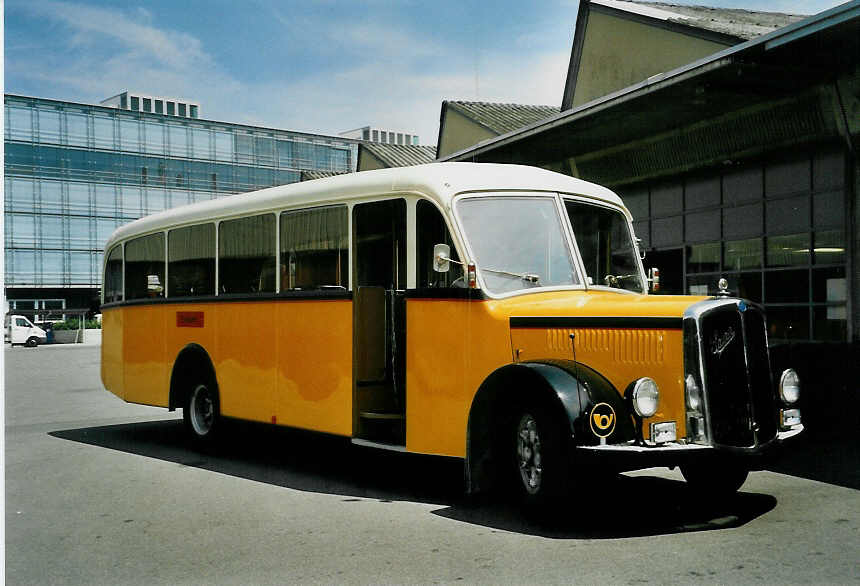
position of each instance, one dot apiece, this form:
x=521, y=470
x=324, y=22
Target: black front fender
x=571, y=391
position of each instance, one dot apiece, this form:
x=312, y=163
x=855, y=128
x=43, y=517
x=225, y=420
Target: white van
x=19, y=330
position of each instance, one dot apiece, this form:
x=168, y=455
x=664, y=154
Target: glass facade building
x=75, y=172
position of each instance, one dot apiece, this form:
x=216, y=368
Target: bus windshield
x=606, y=246
x=518, y=242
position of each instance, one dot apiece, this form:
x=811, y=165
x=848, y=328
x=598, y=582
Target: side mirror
x=639, y=247
x=441, y=258
x=654, y=279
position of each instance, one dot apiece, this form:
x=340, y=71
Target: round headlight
x=694, y=393
x=645, y=395
x=789, y=386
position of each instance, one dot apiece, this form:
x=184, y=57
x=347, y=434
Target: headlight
x=645, y=395
x=694, y=394
x=789, y=386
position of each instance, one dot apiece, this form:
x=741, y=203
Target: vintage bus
x=495, y=313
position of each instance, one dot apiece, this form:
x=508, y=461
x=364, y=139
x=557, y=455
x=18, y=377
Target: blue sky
x=318, y=66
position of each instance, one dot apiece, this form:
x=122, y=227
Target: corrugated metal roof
x=743, y=24
x=503, y=118
x=309, y=175
x=400, y=155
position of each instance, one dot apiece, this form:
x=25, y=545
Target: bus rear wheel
x=201, y=413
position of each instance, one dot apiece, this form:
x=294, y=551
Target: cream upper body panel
x=439, y=182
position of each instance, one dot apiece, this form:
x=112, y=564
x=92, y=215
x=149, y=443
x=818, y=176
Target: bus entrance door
x=379, y=322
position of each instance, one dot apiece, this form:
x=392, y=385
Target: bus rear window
x=113, y=275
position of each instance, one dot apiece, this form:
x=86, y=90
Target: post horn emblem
x=602, y=420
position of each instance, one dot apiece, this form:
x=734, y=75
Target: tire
x=541, y=470
x=201, y=414
x=32, y=342
x=717, y=479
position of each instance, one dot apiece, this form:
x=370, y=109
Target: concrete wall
x=368, y=162
x=459, y=132
x=618, y=53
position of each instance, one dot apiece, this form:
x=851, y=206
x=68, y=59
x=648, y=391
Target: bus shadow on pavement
x=305, y=461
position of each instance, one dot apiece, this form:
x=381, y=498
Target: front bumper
x=633, y=456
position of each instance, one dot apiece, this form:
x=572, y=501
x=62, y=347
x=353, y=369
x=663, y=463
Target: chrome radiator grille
x=734, y=368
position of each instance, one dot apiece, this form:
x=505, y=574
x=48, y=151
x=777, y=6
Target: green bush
x=74, y=324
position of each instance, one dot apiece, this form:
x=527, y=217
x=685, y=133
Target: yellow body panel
x=291, y=360
x=451, y=347
x=245, y=359
x=620, y=354
x=314, y=376
x=146, y=372
x=112, y=356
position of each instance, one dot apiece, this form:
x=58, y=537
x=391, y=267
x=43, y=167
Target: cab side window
x=430, y=231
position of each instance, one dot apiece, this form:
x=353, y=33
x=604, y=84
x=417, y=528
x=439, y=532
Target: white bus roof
x=438, y=181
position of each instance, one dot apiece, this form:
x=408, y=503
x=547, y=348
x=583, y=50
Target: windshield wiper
x=527, y=277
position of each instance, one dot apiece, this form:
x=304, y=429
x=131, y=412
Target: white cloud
x=383, y=76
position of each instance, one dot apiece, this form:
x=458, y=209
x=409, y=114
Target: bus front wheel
x=201, y=413
x=32, y=342
x=541, y=471
x=718, y=479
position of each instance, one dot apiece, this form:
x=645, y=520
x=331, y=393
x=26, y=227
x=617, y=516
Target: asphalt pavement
x=102, y=492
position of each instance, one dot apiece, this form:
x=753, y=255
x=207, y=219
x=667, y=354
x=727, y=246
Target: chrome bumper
x=674, y=447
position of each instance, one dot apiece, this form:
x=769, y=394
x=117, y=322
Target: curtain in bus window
x=314, y=248
x=191, y=261
x=246, y=255
x=144, y=267
x=113, y=275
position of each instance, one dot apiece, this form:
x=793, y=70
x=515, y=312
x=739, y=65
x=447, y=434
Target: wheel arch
x=567, y=388
x=192, y=361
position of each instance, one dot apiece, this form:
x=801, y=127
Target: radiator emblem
x=721, y=340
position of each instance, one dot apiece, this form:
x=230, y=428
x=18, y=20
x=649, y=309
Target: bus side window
x=430, y=231
x=315, y=248
x=191, y=261
x=246, y=255
x=144, y=267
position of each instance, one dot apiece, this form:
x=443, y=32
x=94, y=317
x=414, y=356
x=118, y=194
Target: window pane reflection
x=830, y=324
x=829, y=247
x=829, y=285
x=791, y=250
x=703, y=258
x=788, y=323
x=786, y=286
x=743, y=254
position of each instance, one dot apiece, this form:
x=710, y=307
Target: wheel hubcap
x=529, y=453
x=202, y=410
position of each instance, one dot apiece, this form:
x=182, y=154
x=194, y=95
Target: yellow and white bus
x=495, y=313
